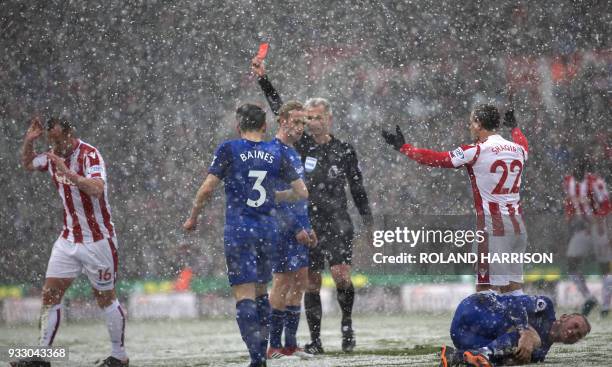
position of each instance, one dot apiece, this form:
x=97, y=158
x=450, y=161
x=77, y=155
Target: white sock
x=115, y=322
x=50, y=317
x=581, y=285
x=606, y=292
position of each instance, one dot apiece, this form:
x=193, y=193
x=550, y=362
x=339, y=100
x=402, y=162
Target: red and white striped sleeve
x=427, y=157
x=94, y=165
x=465, y=155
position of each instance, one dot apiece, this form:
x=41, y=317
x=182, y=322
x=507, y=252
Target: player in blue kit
x=290, y=267
x=251, y=170
x=490, y=329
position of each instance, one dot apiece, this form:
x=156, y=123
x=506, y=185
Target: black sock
x=312, y=306
x=346, y=296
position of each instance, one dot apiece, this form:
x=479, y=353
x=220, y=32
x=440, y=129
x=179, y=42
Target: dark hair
x=487, y=115
x=62, y=121
x=250, y=117
x=581, y=167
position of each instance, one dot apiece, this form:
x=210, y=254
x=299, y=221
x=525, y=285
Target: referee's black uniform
x=328, y=168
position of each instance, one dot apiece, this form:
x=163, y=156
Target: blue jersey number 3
x=259, y=175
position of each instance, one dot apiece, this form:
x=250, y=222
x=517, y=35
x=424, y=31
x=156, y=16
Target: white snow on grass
x=382, y=340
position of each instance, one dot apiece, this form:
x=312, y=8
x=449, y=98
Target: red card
x=263, y=50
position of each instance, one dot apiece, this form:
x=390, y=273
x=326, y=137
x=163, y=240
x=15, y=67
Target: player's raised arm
x=27, y=150
x=274, y=99
x=203, y=195
x=423, y=156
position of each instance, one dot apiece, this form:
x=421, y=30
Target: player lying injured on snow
x=490, y=329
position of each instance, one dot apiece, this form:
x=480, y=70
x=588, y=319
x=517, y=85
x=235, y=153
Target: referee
x=329, y=164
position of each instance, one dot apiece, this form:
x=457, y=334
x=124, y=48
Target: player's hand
x=190, y=224
x=528, y=342
x=509, y=119
x=257, y=66
x=35, y=130
x=396, y=140
x=302, y=237
x=59, y=163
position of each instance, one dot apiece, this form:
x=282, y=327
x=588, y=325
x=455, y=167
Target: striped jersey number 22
x=515, y=166
x=259, y=177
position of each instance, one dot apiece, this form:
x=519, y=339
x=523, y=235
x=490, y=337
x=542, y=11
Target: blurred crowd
x=154, y=85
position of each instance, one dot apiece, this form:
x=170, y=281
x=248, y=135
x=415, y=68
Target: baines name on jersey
x=257, y=154
x=500, y=148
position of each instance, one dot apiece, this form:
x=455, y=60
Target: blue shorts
x=249, y=255
x=291, y=255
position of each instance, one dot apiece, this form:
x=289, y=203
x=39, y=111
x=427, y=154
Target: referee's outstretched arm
x=272, y=96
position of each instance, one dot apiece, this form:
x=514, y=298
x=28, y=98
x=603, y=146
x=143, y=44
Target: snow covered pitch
x=382, y=340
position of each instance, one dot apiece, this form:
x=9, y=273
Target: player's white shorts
x=591, y=241
x=98, y=260
x=500, y=273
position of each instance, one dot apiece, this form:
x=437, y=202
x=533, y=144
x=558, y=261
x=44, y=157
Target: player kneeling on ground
x=251, y=170
x=87, y=243
x=490, y=329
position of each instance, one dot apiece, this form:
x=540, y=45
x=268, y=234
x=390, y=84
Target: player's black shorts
x=335, y=242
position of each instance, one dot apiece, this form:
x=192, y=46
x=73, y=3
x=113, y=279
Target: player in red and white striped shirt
x=87, y=242
x=587, y=205
x=495, y=166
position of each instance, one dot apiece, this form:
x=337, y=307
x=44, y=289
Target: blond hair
x=283, y=113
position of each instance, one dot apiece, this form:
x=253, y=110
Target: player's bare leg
x=314, y=312
x=346, y=295
x=115, y=317
x=299, y=283
x=281, y=285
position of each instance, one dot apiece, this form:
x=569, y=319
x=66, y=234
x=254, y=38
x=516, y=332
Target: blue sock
x=276, y=328
x=263, y=310
x=248, y=323
x=292, y=320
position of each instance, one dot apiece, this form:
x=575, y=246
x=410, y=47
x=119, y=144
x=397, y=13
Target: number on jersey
x=259, y=175
x=500, y=189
